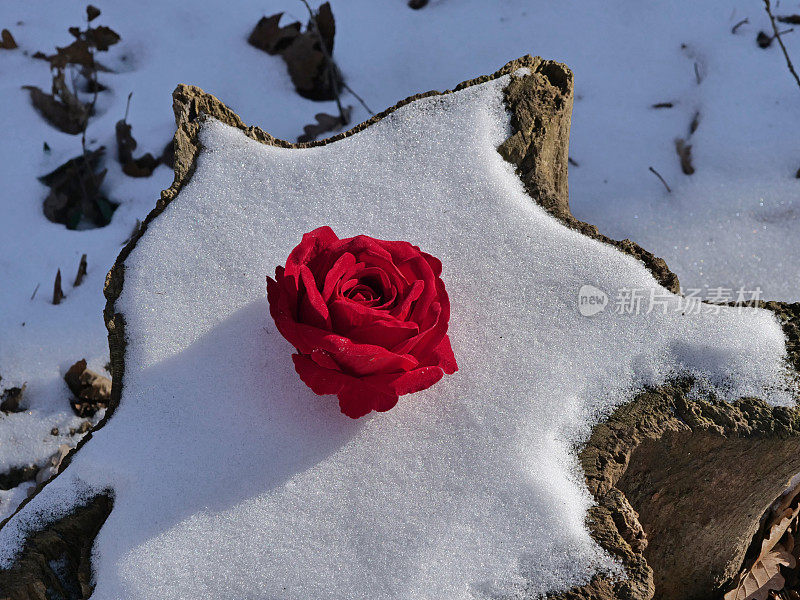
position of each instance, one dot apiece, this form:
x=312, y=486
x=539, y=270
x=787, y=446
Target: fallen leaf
x=685, y=155
x=791, y=19
x=11, y=399
x=7, y=41
x=76, y=192
x=62, y=109
x=270, y=37
x=91, y=390
x=307, y=54
x=764, y=576
x=126, y=144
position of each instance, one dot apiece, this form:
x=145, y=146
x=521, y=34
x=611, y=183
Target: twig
x=333, y=70
x=739, y=24
x=657, y=174
x=127, y=107
x=780, y=41
x=364, y=104
x=697, y=73
x=36, y=289
x=331, y=66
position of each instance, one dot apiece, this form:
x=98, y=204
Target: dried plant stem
x=333, y=70
x=780, y=41
x=657, y=174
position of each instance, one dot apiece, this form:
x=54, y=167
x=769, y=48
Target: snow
x=231, y=478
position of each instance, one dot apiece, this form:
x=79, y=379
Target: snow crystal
x=232, y=479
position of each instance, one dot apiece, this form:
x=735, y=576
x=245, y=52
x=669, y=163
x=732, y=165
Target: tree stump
x=680, y=484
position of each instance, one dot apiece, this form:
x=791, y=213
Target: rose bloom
x=368, y=318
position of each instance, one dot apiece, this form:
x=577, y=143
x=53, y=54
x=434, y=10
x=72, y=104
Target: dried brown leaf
x=141, y=167
x=11, y=399
x=307, y=54
x=685, y=155
x=326, y=25
x=126, y=143
x=7, y=41
x=92, y=12
x=75, y=192
x=270, y=37
x=101, y=37
x=764, y=576
x=91, y=390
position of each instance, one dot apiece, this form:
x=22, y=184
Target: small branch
x=697, y=76
x=364, y=104
x=127, y=107
x=331, y=67
x=739, y=24
x=780, y=41
x=657, y=174
x=36, y=289
x=333, y=70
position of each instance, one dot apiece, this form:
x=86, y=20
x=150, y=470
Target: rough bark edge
x=56, y=562
x=650, y=416
x=543, y=172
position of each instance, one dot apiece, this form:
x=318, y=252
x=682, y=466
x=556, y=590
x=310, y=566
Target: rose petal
x=368, y=359
x=386, y=333
x=312, y=309
x=312, y=244
x=319, y=379
x=401, y=311
x=418, y=268
x=435, y=263
x=347, y=315
x=324, y=359
x=442, y=356
x=410, y=382
x=334, y=276
x=357, y=399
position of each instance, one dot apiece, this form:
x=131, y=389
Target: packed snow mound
x=233, y=480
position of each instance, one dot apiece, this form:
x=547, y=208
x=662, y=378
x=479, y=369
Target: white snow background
x=232, y=479
x=733, y=223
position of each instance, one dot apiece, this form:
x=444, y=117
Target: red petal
x=342, y=265
x=312, y=310
x=386, y=333
x=442, y=356
x=312, y=244
x=406, y=383
x=401, y=311
x=319, y=379
x=435, y=263
x=347, y=315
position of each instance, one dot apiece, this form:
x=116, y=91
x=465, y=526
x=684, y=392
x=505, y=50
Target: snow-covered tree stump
x=217, y=474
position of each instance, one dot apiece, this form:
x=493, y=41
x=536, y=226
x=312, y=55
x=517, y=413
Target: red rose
x=368, y=318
